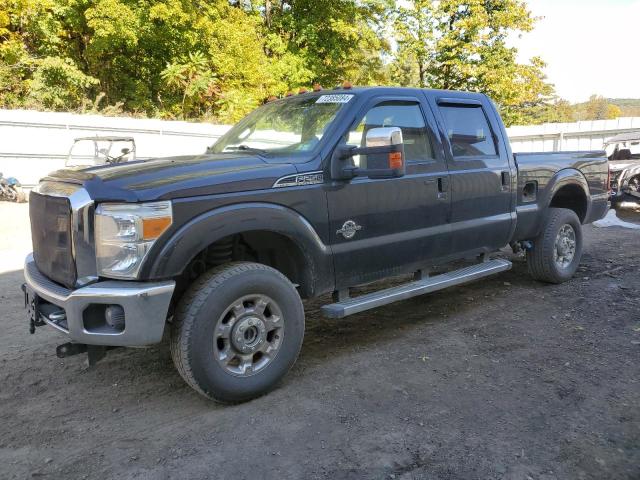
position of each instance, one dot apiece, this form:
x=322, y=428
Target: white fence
x=553, y=137
x=33, y=144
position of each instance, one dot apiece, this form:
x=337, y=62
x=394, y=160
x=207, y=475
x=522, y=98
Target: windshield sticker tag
x=339, y=98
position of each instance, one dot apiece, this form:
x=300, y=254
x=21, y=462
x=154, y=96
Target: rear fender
x=530, y=217
x=567, y=176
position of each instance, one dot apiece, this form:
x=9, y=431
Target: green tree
x=219, y=59
x=598, y=108
x=58, y=84
x=556, y=111
x=337, y=40
x=415, y=29
x=192, y=78
x=462, y=45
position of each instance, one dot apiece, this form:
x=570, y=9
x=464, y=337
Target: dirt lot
x=502, y=379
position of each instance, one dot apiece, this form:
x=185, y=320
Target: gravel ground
x=501, y=379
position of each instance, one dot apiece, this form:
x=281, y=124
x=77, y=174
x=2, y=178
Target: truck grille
x=51, y=236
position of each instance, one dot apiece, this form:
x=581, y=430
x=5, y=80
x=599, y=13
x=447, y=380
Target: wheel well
x=573, y=198
x=635, y=175
x=261, y=246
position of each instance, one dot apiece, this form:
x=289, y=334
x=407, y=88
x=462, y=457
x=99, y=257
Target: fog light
x=114, y=316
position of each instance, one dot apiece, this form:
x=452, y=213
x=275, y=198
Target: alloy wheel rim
x=565, y=246
x=248, y=335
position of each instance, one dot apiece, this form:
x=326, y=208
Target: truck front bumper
x=81, y=314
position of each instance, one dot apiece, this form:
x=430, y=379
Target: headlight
x=125, y=232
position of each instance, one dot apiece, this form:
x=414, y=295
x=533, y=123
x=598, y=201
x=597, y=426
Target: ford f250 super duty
x=310, y=194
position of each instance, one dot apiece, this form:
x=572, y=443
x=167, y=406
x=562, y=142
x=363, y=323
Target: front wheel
x=237, y=331
x=557, y=250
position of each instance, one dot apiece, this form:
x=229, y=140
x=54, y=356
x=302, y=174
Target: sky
x=590, y=46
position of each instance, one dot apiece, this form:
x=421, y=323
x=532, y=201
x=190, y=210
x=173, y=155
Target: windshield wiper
x=246, y=148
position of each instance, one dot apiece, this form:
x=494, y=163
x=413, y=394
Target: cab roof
x=382, y=90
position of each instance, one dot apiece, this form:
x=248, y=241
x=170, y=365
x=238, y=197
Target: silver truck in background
x=623, y=151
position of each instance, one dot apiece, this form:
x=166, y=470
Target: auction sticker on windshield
x=339, y=98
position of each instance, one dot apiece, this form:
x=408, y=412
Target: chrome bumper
x=145, y=306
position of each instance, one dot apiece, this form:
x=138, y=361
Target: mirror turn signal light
x=395, y=160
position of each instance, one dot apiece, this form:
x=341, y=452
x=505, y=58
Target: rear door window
x=469, y=132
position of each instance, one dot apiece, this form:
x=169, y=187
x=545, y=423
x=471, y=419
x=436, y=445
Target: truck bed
x=541, y=174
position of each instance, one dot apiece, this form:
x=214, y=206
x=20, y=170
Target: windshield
x=99, y=151
x=294, y=125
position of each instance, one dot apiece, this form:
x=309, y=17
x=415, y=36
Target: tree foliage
x=598, y=108
x=218, y=59
x=182, y=58
x=462, y=45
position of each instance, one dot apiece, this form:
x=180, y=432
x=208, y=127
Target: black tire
x=540, y=258
x=199, y=313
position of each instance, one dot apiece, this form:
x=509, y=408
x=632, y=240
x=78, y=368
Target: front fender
x=180, y=249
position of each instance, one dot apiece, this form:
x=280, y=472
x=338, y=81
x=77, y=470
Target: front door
x=383, y=227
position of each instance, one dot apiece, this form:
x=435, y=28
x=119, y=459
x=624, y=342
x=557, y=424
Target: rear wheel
x=557, y=250
x=237, y=331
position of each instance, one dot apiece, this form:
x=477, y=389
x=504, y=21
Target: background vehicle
x=11, y=190
x=91, y=151
x=307, y=195
x=623, y=152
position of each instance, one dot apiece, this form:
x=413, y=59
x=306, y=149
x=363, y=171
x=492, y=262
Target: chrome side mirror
x=384, y=156
x=384, y=137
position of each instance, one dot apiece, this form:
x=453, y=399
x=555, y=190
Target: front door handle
x=443, y=187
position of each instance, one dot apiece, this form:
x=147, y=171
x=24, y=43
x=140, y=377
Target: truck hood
x=175, y=177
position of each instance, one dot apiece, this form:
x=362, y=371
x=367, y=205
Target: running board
x=415, y=288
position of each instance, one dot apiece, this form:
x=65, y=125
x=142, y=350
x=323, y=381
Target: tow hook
x=95, y=353
x=31, y=304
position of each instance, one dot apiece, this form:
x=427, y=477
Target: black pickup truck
x=310, y=194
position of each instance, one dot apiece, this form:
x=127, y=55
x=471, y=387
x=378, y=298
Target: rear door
x=381, y=227
x=482, y=174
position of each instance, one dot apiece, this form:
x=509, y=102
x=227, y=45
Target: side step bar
x=418, y=287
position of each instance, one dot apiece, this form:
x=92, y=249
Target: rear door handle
x=506, y=180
